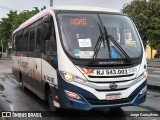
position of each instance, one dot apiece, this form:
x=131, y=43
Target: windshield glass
x=80, y=33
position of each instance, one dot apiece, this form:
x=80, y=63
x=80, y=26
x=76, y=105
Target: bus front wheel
x=23, y=86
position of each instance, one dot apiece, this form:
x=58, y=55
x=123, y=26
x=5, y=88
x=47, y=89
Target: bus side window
x=13, y=44
x=25, y=41
x=19, y=42
x=14, y=48
x=31, y=40
x=53, y=39
x=16, y=43
x=38, y=38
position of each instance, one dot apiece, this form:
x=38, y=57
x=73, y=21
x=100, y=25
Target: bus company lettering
x=49, y=79
x=22, y=63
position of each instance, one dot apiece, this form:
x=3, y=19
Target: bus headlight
x=143, y=75
x=69, y=77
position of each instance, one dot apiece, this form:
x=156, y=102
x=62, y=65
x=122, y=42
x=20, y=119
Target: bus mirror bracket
x=46, y=19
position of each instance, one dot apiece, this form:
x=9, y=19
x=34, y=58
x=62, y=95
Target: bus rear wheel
x=50, y=102
x=23, y=86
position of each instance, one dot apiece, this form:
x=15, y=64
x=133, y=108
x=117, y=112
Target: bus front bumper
x=137, y=97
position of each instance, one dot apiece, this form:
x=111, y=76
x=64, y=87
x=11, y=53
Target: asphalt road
x=14, y=98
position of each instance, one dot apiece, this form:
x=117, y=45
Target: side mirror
x=1, y=88
x=46, y=19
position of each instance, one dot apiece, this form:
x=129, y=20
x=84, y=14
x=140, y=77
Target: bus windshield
x=80, y=33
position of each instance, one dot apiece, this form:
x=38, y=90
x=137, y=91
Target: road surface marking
x=4, y=71
x=156, y=71
x=153, y=68
x=157, y=76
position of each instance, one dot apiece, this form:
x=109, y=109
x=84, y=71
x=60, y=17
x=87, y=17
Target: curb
x=6, y=59
x=153, y=87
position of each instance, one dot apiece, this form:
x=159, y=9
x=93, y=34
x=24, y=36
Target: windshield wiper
x=98, y=44
x=117, y=45
x=105, y=37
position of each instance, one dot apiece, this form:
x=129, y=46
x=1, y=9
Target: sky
x=20, y=5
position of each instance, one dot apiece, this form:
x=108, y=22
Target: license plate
x=111, y=72
x=113, y=96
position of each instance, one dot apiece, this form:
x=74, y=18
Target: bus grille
x=108, y=90
x=118, y=76
x=108, y=102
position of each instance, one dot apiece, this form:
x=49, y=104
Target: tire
x=50, y=102
x=23, y=87
x=21, y=79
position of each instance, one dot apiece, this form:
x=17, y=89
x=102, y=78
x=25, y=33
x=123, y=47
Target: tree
x=146, y=16
x=9, y=24
x=154, y=35
x=5, y=28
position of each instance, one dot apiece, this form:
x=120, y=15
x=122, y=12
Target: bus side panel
x=32, y=79
x=38, y=76
x=49, y=74
x=28, y=71
x=16, y=69
x=38, y=69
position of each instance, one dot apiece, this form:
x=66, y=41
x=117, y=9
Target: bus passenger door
x=38, y=62
x=31, y=58
x=49, y=55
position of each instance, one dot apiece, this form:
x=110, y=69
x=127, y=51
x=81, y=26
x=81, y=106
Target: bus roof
x=85, y=8
x=65, y=8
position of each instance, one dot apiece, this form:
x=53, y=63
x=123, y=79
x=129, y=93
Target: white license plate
x=111, y=72
x=113, y=96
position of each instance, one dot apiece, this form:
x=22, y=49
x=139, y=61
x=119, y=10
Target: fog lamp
x=72, y=95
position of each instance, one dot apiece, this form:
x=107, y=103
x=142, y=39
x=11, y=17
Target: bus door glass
x=31, y=52
x=38, y=60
